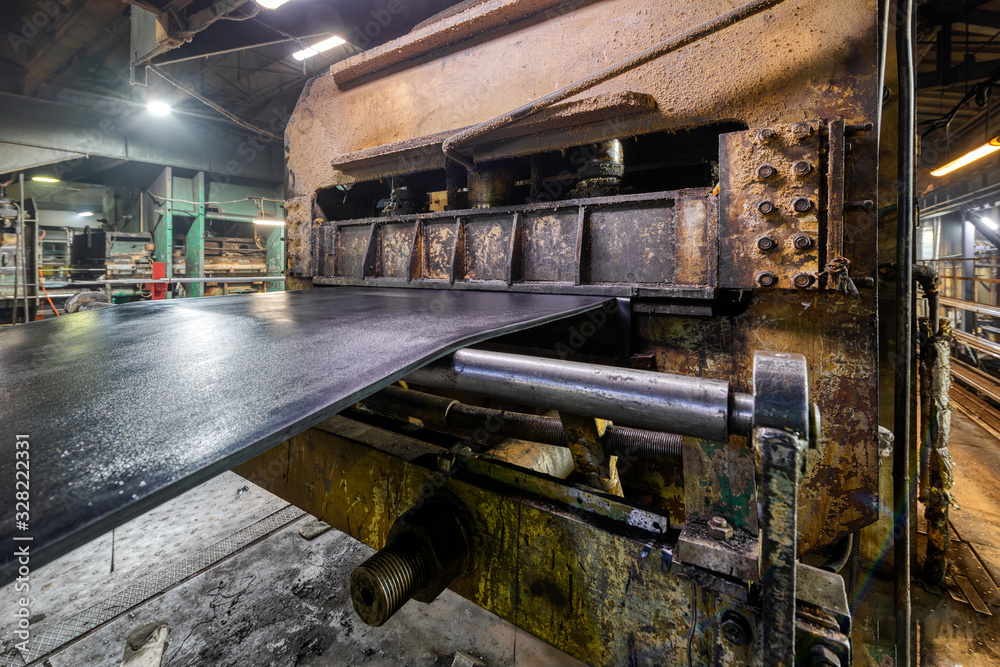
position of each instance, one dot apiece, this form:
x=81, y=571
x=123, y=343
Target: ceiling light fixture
x=271, y=4
x=158, y=108
x=85, y=214
x=989, y=223
x=44, y=179
x=971, y=156
x=318, y=48
x=269, y=222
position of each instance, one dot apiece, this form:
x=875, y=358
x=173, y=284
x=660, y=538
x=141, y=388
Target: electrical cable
x=980, y=91
x=204, y=100
x=158, y=198
x=301, y=42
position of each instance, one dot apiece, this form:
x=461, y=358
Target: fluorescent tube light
x=971, y=156
x=315, y=49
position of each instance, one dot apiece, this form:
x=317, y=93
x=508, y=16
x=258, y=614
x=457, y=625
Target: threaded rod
x=636, y=443
x=385, y=582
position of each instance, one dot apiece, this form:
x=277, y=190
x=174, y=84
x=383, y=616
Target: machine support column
x=194, y=242
x=275, y=257
x=968, y=272
x=903, y=487
x=781, y=461
x=162, y=223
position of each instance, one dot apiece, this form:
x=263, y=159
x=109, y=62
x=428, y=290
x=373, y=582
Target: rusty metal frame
x=630, y=598
x=597, y=246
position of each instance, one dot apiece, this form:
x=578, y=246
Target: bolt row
x=799, y=205
x=800, y=242
x=800, y=168
x=799, y=280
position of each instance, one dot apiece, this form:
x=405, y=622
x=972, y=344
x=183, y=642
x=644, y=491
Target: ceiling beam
x=959, y=73
x=123, y=133
x=980, y=17
x=57, y=32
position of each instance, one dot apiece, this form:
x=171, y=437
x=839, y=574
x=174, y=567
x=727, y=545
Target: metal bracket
x=585, y=437
x=781, y=434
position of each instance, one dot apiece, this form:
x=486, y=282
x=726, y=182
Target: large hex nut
x=438, y=529
x=719, y=528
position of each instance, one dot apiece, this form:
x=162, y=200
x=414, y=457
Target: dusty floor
x=949, y=631
x=283, y=601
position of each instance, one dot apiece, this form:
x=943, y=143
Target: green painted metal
x=275, y=255
x=162, y=223
x=194, y=242
x=719, y=481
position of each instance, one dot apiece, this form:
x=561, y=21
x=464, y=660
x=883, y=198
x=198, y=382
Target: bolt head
x=765, y=243
x=764, y=135
x=736, y=629
x=802, y=280
x=801, y=168
x=801, y=204
x=801, y=130
x=767, y=279
x=803, y=242
x=765, y=207
x=719, y=528
x=765, y=171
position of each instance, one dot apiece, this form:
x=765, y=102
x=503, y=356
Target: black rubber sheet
x=128, y=406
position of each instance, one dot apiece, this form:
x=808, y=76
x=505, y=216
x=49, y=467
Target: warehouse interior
x=499, y=332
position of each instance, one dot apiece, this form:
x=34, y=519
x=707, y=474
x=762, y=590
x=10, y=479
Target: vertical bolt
x=765, y=207
x=719, y=528
x=765, y=171
x=767, y=279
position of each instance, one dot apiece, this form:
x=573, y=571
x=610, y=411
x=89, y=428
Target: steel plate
x=126, y=407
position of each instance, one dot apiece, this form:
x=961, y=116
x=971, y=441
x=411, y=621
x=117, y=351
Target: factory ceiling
x=958, y=62
x=66, y=79
x=66, y=73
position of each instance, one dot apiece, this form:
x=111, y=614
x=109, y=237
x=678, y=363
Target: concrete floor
x=282, y=601
x=949, y=631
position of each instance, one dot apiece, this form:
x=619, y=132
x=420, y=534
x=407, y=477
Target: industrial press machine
x=638, y=484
